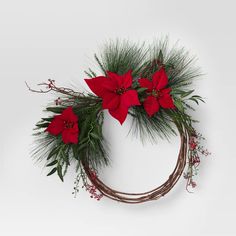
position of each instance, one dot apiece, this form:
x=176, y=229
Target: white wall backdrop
x=56, y=39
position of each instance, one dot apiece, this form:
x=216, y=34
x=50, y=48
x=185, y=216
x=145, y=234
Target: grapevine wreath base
x=146, y=196
x=149, y=83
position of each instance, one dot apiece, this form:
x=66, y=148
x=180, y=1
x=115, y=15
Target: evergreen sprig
x=121, y=56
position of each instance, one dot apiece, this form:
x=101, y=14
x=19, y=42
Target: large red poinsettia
x=116, y=93
x=65, y=124
x=157, y=93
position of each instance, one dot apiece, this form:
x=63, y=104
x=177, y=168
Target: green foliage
x=52, y=171
x=151, y=127
x=182, y=99
x=91, y=146
x=121, y=56
x=52, y=163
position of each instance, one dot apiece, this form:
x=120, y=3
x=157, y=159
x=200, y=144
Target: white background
x=57, y=39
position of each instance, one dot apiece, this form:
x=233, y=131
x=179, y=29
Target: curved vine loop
x=154, y=194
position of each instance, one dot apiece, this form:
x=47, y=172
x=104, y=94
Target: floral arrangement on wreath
x=153, y=85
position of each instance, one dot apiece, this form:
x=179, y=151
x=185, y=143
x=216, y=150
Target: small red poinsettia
x=65, y=124
x=116, y=93
x=158, y=95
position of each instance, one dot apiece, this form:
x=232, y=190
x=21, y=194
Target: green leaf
x=82, y=146
x=52, y=171
x=92, y=145
x=59, y=172
x=65, y=157
x=42, y=125
x=84, y=129
x=179, y=105
x=75, y=152
x=169, y=66
x=140, y=90
x=93, y=73
x=199, y=98
x=95, y=136
x=38, y=133
x=160, y=56
x=185, y=94
x=194, y=99
x=55, y=109
x=52, y=153
x=84, y=140
x=142, y=100
x=100, y=64
x=88, y=74
x=52, y=163
x=47, y=119
x=176, y=91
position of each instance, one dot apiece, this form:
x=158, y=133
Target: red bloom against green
x=116, y=93
x=65, y=124
x=157, y=93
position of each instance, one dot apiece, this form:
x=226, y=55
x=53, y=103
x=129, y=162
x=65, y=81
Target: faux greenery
x=120, y=56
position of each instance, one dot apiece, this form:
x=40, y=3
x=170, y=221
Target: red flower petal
x=110, y=100
x=130, y=98
x=127, y=79
x=120, y=81
x=95, y=85
x=115, y=78
x=56, y=126
x=146, y=83
x=159, y=79
x=69, y=115
x=166, y=101
x=151, y=105
x=70, y=135
x=120, y=113
x=166, y=90
x=109, y=85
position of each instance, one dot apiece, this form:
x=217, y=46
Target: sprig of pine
x=121, y=56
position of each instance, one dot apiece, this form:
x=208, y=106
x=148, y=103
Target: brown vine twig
x=51, y=86
x=134, y=198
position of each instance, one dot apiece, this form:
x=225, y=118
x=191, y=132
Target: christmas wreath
x=153, y=85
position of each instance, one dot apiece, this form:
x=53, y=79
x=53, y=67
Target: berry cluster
x=195, y=150
x=88, y=187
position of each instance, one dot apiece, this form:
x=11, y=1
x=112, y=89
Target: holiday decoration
x=151, y=84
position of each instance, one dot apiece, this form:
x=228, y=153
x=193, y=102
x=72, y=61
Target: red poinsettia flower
x=65, y=124
x=116, y=93
x=158, y=95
